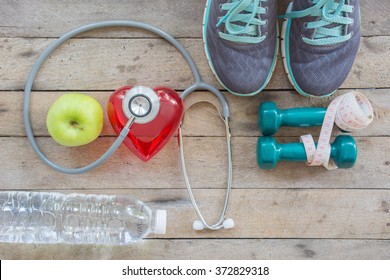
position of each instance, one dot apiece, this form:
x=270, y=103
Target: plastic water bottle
x=48, y=217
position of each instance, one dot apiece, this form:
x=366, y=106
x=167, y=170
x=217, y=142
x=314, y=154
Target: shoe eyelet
x=220, y=7
x=305, y=25
x=266, y=22
x=266, y=9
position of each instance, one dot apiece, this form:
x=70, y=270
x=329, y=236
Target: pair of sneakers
x=319, y=43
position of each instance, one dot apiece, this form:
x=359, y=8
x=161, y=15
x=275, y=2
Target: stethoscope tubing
x=219, y=223
x=198, y=85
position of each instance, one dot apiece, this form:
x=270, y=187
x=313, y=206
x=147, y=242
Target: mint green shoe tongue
x=242, y=21
x=330, y=26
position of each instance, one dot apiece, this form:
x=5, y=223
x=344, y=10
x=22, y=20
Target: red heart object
x=146, y=140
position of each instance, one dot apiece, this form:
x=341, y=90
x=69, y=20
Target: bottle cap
x=160, y=225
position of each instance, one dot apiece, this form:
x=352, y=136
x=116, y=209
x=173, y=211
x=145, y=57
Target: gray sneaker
x=320, y=40
x=241, y=43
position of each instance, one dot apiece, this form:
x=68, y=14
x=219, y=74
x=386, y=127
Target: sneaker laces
x=242, y=23
x=329, y=24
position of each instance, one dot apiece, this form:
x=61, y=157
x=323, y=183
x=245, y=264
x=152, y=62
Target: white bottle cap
x=160, y=225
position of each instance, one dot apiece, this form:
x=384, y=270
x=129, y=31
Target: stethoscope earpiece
x=227, y=224
x=141, y=103
x=197, y=225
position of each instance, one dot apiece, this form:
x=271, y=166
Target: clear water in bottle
x=49, y=217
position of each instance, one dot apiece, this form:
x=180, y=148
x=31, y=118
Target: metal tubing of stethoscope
x=219, y=224
x=103, y=158
x=46, y=53
x=214, y=90
x=198, y=85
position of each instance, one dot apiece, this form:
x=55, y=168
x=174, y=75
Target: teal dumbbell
x=269, y=152
x=271, y=117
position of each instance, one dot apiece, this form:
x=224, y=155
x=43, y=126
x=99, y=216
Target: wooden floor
x=292, y=212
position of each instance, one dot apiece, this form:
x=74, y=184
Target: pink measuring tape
x=351, y=111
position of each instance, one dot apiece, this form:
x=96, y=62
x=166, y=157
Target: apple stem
x=75, y=124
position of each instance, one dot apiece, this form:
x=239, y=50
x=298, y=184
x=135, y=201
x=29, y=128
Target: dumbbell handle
x=296, y=152
x=302, y=116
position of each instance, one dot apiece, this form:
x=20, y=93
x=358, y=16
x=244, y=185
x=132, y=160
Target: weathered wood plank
x=206, y=163
x=103, y=64
x=302, y=205
x=25, y=18
x=229, y=249
x=271, y=213
x=53, y=18
x=375, y=17
x=202, y=119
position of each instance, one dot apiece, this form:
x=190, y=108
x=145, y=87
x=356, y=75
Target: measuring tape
x=351, y=111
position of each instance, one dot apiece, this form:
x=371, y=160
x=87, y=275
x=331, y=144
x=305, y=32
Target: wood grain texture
x=206, y=162
x=202, y=118
x=292, y=212
x=225, y=249
x=35, y=18
x=106, y=64
x=272, y=213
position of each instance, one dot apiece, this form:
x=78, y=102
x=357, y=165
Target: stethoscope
x=140, y=105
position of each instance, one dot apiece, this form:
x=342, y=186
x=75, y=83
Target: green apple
x=74, y=119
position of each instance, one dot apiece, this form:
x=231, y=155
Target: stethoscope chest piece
x=141, y=103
